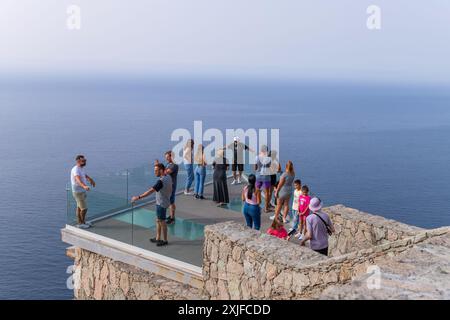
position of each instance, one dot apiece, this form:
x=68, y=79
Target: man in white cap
x=318, y=228
x=238, y=159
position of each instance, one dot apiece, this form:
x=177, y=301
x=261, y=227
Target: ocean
x=383, y=149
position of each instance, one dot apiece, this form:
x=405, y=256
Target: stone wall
x=240, y=263
x=356, y=230
x=102, y=278
x=422, y=272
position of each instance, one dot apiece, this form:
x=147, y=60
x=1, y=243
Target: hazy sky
x=287, y=38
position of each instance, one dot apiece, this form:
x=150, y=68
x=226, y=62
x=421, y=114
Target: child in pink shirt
x=303, y=209
x=277, y=229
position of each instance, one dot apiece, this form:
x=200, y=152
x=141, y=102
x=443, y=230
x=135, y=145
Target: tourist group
x=281, y=192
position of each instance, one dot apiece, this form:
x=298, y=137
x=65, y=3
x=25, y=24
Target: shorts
x=172, y=196
x=263, y=181
x=273, y=180
x=161, y=213
x=303, y=217
x=81, y=199
x=237, y=167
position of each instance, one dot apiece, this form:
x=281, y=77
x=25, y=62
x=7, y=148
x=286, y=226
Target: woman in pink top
x=277, y=229
x=252, y=199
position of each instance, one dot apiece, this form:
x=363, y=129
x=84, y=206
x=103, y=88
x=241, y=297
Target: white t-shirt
x=264, y=162
x=78, y=171
x=187, y=156
x=296, y=202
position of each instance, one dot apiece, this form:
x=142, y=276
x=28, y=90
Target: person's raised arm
x=246, y=147
x=144, y=195
x=158, y=186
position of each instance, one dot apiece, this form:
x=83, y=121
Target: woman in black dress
x=220, y=166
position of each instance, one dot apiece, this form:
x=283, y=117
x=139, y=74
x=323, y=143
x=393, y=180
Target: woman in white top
x=200, y=172
x=188, y=165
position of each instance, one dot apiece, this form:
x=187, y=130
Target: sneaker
x=239, y=181
x=88, y=224
x=188, y=193
x=197, y=196
x=84, y=226
x=153, y=240
x=272, y=217
x=162, y=243
x=300, y=237
x=234, y=182
x=202, y=198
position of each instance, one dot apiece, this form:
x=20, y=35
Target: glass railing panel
x=115, y=217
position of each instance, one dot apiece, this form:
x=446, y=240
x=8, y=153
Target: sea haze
x=381, y=149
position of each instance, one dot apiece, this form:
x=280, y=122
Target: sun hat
x=315, y=204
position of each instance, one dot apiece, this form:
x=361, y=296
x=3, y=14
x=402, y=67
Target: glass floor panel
x=184, y=229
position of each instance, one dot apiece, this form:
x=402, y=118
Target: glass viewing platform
x=113, y=216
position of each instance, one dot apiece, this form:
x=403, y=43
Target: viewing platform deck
x=186, y=235
x=212, y=255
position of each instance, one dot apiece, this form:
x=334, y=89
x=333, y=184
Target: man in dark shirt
x=238, y=159
x=172, y=171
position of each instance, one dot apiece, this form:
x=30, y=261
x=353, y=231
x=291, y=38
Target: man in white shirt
x=79, y=180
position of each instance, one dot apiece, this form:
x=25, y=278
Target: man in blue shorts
x=163, y=189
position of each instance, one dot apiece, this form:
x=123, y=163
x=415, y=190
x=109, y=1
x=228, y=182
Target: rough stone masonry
x=240, y=263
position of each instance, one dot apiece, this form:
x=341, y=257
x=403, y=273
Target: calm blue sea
x=382, y=149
